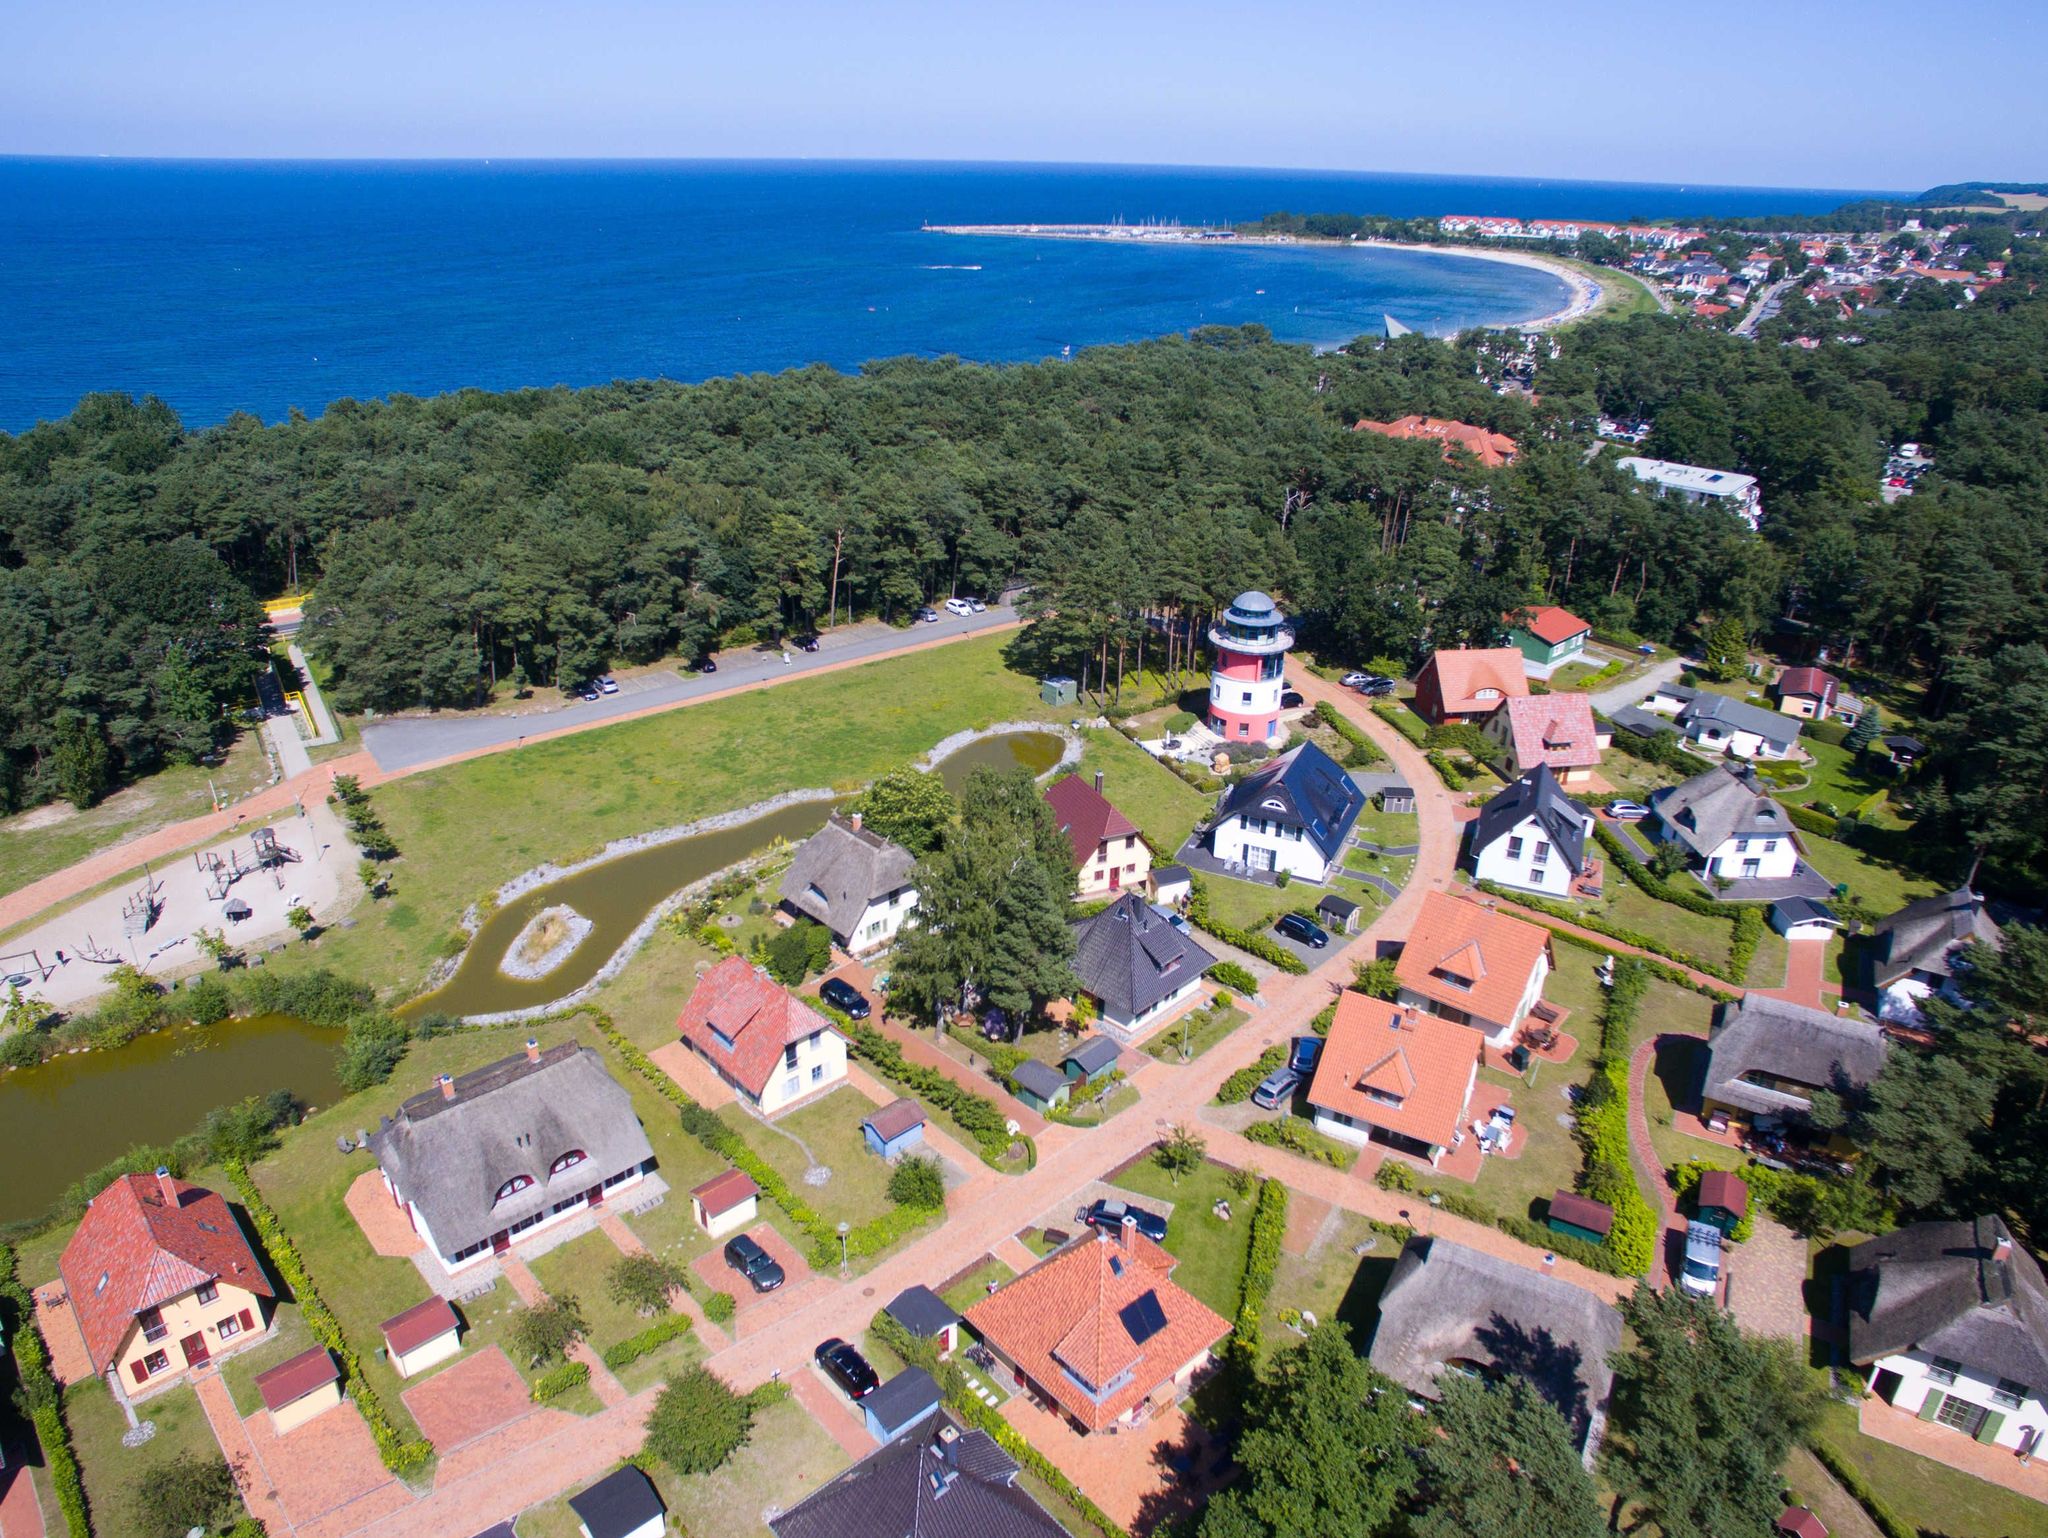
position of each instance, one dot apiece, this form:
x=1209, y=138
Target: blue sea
x=271, y=286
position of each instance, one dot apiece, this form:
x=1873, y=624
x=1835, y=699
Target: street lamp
x=844, y=1227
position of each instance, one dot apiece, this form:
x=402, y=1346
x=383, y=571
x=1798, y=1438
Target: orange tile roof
x=752, y=1011
x=1553, y=729
x=1491, y=449
x=1460, y=675
x=1547, y=622
x=1498, y=953
x=144, y=1241
x=725, y=1191
x=1066, y=1315
x=1424, y=1062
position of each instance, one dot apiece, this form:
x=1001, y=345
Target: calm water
x=1036, y=751
x=226, y=286
x=75, y=1113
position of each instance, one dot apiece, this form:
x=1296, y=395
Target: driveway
x=1767, y=1281
x=1608, y=701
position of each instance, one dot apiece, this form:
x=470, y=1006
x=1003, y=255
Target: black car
x=844, y=997
x=760, y=1268
x=1302, y=930
x=806, y=643
x=1104, y=1213
x=846, y=1367
x=1374, y=685
x=1289, y=700
x=706, y=665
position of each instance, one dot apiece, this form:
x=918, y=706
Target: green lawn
x=1551, y=1157
x=1881, y=886
x=830, y=1129
x=1925, y=1494
x=1084, y=1113
x=111, y=1470
x=1211, y=1251
x=1199, y=1029
x=973, y=1287
x=1331, y=1282
x=1250, y=905
x=239, y=1371
x=1391, y=828
x=1163, y=805
x=578, y=1270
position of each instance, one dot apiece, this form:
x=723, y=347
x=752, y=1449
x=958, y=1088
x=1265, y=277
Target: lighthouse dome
x=1254, y=606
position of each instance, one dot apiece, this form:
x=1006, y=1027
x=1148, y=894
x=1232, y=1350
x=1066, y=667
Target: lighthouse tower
x=1251, y=640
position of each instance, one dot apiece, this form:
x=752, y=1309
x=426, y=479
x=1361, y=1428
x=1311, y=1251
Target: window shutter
x=1988, y=1432
x=247, y=1322
x=1931, y=1406
x=140, y=1370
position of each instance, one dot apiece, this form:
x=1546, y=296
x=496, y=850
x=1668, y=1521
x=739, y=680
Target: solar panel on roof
x=1142, y=1317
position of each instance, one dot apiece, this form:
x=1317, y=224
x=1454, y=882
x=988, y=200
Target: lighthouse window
x=1270, y=725
x=1245, y=697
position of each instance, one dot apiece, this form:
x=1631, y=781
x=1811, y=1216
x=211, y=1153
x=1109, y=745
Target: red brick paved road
x=828, y=1407
x=21, y=1514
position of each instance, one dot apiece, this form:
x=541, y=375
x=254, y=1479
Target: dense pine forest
x=475, y=541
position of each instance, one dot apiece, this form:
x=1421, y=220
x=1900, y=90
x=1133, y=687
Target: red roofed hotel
x=1099, y=1330
x=1473, y=966
x=161, y=1279
x=1468, y=685
x=763, y=1040
x=1553, y=729
x=1391, y=1075
x=1491, y=449
x=1109, y=851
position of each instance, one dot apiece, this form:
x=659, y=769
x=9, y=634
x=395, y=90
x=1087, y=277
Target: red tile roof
x=1067, y=1314
x=1547, y=622
x=1553, y=729
x=1423, y=1063
x=751, y=1011
x=1086, y=816
x=1451, y=680
x=419, y=1324
x=896, y=1118
x=1496, y=952
x=1582, y=1212
x=1491, y=449
x=1812, y=683
x=1724, y=1189
x=1801, y=1523
x=721, y=1193
x=294, y=1380
x=144, y=1241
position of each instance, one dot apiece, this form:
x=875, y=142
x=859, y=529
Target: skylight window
x=1142, y=1317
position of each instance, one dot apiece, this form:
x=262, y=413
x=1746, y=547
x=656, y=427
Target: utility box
x=1059, y=691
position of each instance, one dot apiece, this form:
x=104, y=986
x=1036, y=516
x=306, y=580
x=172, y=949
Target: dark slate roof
x=1536, y=794
x=1786, y=1041
x=1899, y=742
x=902, y=1399
x=1922, y=936
x=1711, y=808
x=1042, y=1079
x=1130, y=957
x=1738, y=715
x=1445, y=1303
x=450, y=1156
x=921, y=1311
x=1167, y=875
x=840, y=869
x=1339, y=908
x=1303, y=788
x=1941, y=1287
x=1644, y=723
x=1092, y=1055
x=1804, y=910
x=894, y=1493
x=617, y=1504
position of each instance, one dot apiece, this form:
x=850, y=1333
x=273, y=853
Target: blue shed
x=1039, y=1085
x=899, y=1404
x=896, y=1128
x=1091, y=1061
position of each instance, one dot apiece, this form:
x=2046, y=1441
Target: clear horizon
x=1580, y=92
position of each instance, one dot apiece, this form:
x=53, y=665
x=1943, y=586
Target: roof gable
x=742, y=1019
x=1497, y=953
x=1550, y=624
x=1130, y=957
x=936, y=1481
x=1085, y=816
x=1304, y=787
x=1397, y=1068
x=1474, y=679
x=842, y=868
x=1553, y=729
x=1538, y=796
x=1789, y=1042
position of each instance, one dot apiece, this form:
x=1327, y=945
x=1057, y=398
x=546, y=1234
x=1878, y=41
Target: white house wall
x=1975, y=1383
x=1292, y=849
x=1493, y=863
x=879, y=921
x=820, y=1064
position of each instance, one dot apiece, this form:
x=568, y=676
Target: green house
x=1548, y=637
x=1580, y=1217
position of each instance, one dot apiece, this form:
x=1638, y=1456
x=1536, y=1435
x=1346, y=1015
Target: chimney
x=1098, y=782
x=167, y=1186
x=855, y=821
x=447, y=1087
x=1125, y=1229
x=532, y=1050
x=2002, y=1250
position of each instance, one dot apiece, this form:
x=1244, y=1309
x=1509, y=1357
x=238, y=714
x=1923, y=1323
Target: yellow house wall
x=1135, y=862
x=423, y=1356
x=299, y=1411
x=185, y=1316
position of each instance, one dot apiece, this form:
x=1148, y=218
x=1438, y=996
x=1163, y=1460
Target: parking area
x=711, y=1269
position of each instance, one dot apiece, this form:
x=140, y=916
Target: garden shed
x=1040, y=1085
x=1723, y=1199
x=1580, y=1217
x=726, y=1203
x=895, y=1128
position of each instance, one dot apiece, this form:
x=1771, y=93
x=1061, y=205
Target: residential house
x=1816, y=695
x=1109, y=851
x=726, y=1203
x=423, y=1336
x=1723, y=725
x=1391, y=1075
x=943, y=1482
x=1099, y=1330
x=1555, y=731
x=1293, y=814
x=1470, y=965
x=1138, y=967
x=853, y=881
x=1490, y=449
x=893, y=1130
x=161, y=1280
x=768, y=1044
x=1701, y=486
x=927, y=1316
x=1468, y=684
x=1727, y=825
x=296, y=1390
x=1532, y=835
x=1547, y=637
x=1766, y=1057
x=1446, y=1307
x=504, y=1153
x=623, y=1504
x=906, y=1400
x=1040, y=1085
x=1918, y=950
x=1953, y=1319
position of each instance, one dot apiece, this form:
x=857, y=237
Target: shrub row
x=557, y=1381
x=1002, y=1057
x=1749, y=929
x=401, y=1455
x=1261, y=946
x=1850, y=1478
x=1808, y=1204
x=1602, y=1127
x=1402, y=720
x=1807, y=820
x=1679, y=894
x=1234, y=977
x=1663, y=969
x=1599, y=925
x=655, y=1336
x=1269, y=1226
x=1453, y=777
x=1239, y=1086
x=1364, y=752
x=1285, y=1132
x=1393, y=1175
x=979, y=1117
x=41, y=1398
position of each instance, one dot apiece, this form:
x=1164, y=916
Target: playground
x=243, y=887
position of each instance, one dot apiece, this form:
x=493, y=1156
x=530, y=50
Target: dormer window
x=568, y=1160
x=1445, y=975
x=1487, y=694
x=513, y=1187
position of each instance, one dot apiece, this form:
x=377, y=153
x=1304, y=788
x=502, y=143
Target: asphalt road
x=404, y=741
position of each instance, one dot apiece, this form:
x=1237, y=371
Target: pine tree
x=1865, y=731
x=1506, y=1467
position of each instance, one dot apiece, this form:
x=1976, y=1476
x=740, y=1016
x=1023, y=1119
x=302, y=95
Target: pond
x=76, y=1112
x=615, y=896
x=1036, y=751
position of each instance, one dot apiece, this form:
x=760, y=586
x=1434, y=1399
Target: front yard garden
x=113, y=1473
x=1927, y=1495
x=1211, y=1250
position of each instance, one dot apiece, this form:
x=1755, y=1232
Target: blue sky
x=1871, y=95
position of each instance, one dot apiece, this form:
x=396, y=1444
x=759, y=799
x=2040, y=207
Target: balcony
x=1252, y=643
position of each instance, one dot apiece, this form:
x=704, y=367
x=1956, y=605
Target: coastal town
x=1198, y=938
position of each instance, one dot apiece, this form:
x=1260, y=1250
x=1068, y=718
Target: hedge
x=1402, y=720
x=1238, y=1088
x=1749, y=929
x=1808, y=820
x=1809, y=1205
x=43, y=1399
x=1258, y=945
x=1364, y=750
x=557, y=1381
x=1657, y=968
x=1285, y=1132
x=1602, y=1127
x=1269, y=1227
x=401, y=1455
x=1850, y=1478
x=1234, y=977
x=656, y=1335
x=1592, y=921
x=1452, y=776
x=979, y=1117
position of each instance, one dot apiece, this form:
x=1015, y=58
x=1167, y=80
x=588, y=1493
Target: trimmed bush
x=1402, y=720
x=557, y=1381
x=1808, y=820
x=1269, y=1227
x=42, y=1399
x=655, y=1336
x=1602, y=1128
x=1364, y=752
x=718, y=1308
x=1288, y=1133
x=1239, y=1086
x=1234, y=977
x=1261, y=946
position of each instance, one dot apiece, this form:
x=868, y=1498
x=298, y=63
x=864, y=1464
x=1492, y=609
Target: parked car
x=1355, y=680
x=844, y=997
x=977, y=605
x=762, y=1271
x=959, y=606
x=607, y=685
x=926, y=616
x=1302, y=931
x=1374, y=687
x=845, y=1366
x=1627, y=811
x=1104, y=1213
x=1290, y=700
x=1179, y=921
x=1701, y=1273
x=590, y=691
x=1276, y=1089
x=806, y=643
x=1303, y=1053
x=706, y=665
